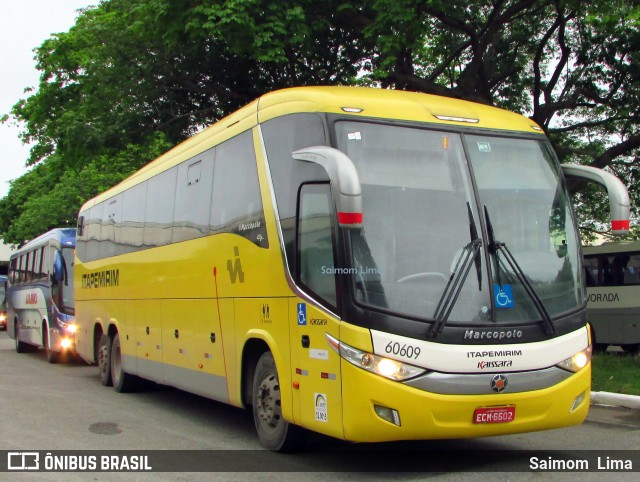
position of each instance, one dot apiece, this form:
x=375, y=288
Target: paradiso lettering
x=101, y=279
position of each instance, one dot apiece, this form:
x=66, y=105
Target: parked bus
x=369, y=264
x=3, y=302
x=612, y=272
x=40, y=307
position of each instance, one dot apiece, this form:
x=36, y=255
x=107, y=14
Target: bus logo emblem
x=499, y=383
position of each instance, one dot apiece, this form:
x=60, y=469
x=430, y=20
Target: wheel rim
x=268, y=402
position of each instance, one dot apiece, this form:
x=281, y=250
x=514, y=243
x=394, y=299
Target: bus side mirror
x=618, y=195
x=58, y=267
x=344, y=180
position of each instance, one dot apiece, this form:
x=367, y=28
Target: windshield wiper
x=496, y=247
x=447, y=301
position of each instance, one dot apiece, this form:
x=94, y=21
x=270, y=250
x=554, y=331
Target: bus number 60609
x=402, y=349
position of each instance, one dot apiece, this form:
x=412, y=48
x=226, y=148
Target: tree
x=147, y=73
x=571, y=65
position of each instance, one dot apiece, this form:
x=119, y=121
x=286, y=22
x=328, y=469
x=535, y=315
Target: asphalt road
x=48, y=408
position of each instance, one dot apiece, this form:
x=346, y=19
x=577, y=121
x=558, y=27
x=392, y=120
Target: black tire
x=596, y=347
x=274, y=431
x=123, y=382
x=104, y=360
x=21, y=347
x=631, y=348
x=52, y=356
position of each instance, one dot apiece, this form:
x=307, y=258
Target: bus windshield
x=426, y=197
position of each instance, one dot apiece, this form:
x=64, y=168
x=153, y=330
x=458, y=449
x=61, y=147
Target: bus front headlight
x=69, y=327
x=385, y=367
x=578, y=361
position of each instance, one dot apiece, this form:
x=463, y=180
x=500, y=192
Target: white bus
x=612, y=273
x=40, y=307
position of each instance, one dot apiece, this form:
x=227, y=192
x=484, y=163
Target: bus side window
x=316, y=267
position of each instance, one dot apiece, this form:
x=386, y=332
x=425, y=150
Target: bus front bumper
x=378, y=410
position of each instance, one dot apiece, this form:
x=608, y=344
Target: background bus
x=40, y=306
x=3, y=302
x=612, y=272
x=369, y=264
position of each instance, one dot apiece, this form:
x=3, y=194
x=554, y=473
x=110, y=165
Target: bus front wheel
x=21, y=347
x=52, y=356
x=274, y=431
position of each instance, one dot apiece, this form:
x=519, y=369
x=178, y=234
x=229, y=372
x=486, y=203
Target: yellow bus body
x=182, y=317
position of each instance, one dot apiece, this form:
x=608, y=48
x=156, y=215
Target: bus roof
x=359, y=102
x=66, y=236
x=613, y=247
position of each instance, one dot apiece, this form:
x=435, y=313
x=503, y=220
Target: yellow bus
x=369, y=264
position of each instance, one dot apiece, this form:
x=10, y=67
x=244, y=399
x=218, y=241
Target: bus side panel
x=146, y=317
x=28, y=306
x=613, y=312
x=193, y=351
x=316, y=368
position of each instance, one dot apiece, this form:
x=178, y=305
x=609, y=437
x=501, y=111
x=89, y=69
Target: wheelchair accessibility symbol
x=503, y=296
x=302, y=313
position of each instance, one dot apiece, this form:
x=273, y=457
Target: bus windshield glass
x=422, y=223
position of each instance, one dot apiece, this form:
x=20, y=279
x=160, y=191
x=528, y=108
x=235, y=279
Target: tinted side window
x=93, y=231
x=282, y=136
x=236, y=202
x=193, y=197
x=615, y=269
x=133, y=212
x=316, y=268
x=111, y=222
x=161, y=191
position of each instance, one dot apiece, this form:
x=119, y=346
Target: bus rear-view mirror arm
x=344, y=181
x=618, y=195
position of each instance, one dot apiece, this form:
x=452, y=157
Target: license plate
x=494, y=414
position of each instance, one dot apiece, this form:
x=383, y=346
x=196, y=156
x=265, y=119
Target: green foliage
x=616, y=372
x=150, y=72
x=48, y=196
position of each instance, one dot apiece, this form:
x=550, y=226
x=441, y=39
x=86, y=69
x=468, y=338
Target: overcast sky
x=24, y=25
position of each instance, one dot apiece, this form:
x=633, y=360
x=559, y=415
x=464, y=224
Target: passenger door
x=316, y=367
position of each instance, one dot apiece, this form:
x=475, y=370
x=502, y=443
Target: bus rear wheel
x=104, y=360
x=123, y=382
x=274, y=431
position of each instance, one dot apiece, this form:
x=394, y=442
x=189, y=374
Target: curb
x=615, y=400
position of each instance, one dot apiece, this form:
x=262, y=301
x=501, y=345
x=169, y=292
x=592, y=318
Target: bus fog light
x=388, y=414
x=578, y=361
x=65, y=343
x=577, y=402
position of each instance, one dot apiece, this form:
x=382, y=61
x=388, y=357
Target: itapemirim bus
x=372, y=265
x=40, y=308
x=612, y=272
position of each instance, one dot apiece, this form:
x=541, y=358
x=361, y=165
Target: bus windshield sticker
x=503, y=295
x=354, y=136
x=484, y=147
